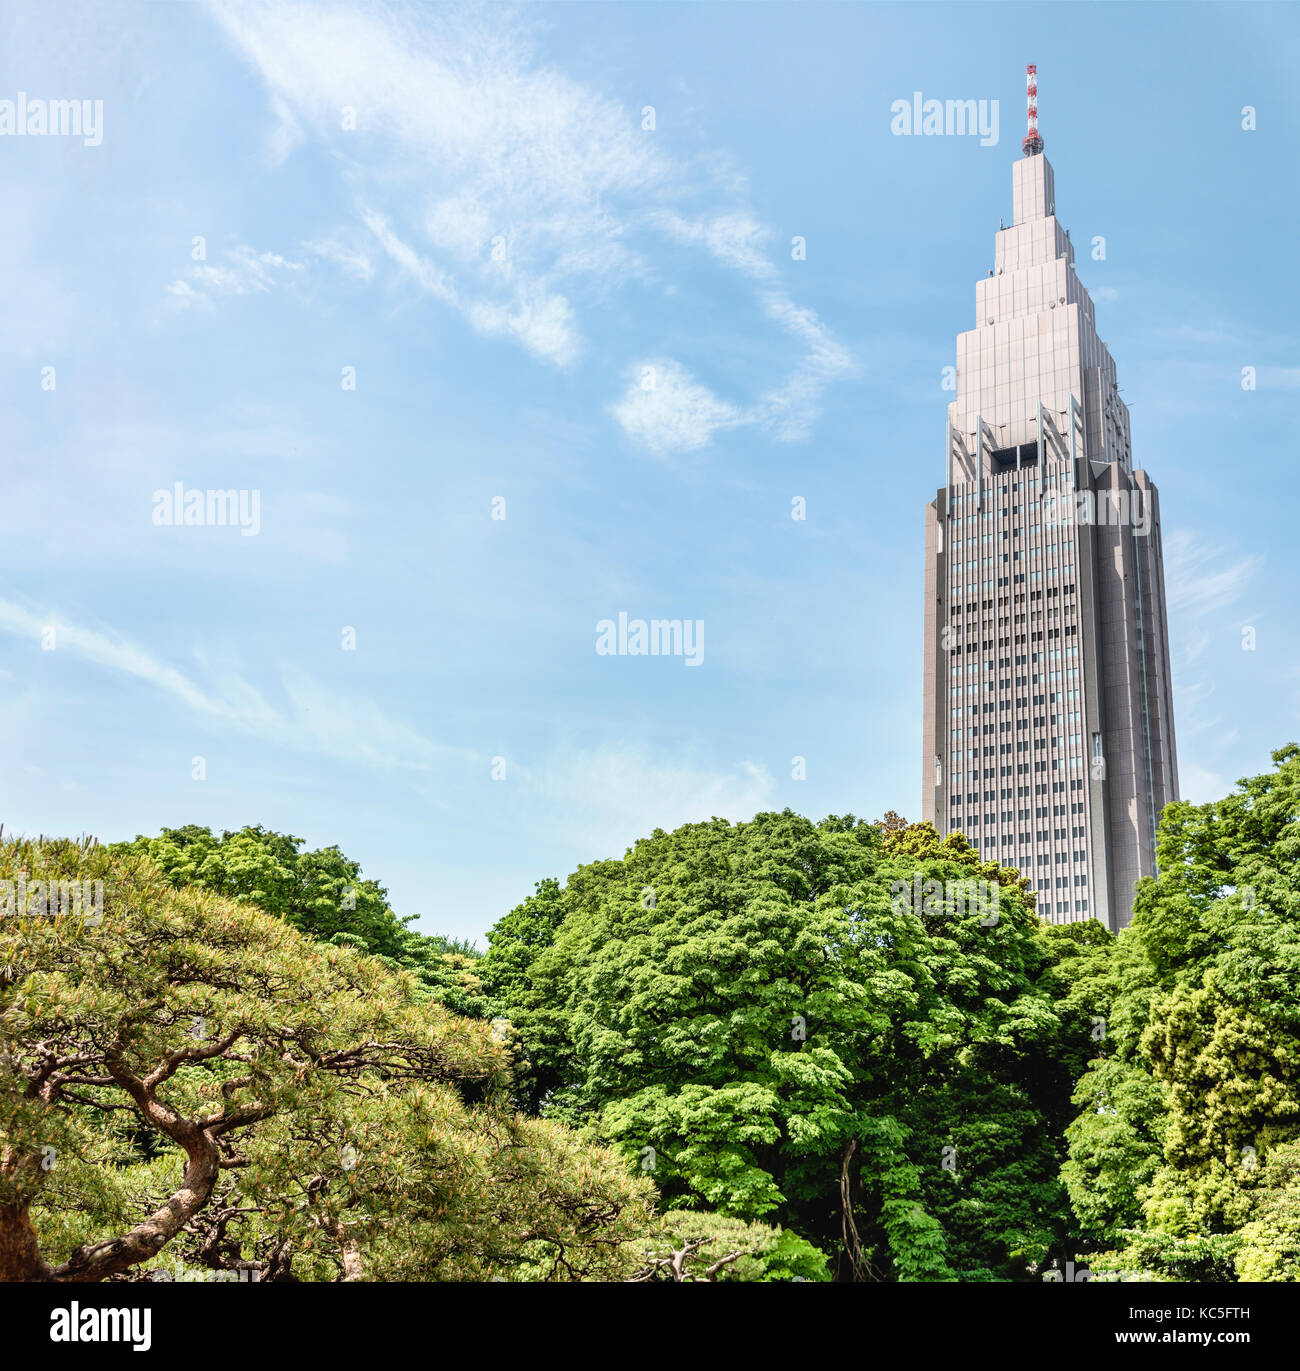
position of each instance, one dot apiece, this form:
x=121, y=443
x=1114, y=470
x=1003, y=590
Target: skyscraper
x=1048, y=727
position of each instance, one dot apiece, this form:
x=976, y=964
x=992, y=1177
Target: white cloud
x=452, y=101
x=734, y=239
x=463, y=225
x=1200, y=785
x=118, y=654
x=542, y=322
x=287, y=135
x=242, y=270
x=737, y=241
x=355, y=729
x=668, y=411
x=503, y=188
x=791, y=408
x=423, y=272
x=350, y=260
x=316, y=719
x=603, y=799
x=1201, y=580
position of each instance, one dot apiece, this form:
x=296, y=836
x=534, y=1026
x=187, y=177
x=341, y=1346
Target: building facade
x=1048, y=726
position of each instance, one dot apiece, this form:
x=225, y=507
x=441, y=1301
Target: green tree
x=191, y=1080
x=692, y=1246
x=786, y=1024
x=1199, y=1081
x=321, y=893
x=1270, y=1242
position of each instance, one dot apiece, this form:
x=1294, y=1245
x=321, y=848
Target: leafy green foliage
x=191, y=1079
x=764, y=1015
x=828, y=1061
x=1270, y=1242
x=1198, y=1090
x=695, y=1246
x=321, y=893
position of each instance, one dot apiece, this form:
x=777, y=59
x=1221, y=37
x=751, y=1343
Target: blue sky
x=464, y=206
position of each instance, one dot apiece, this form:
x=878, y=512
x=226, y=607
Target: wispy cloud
x=118, y=654
x=739, y=242
x=1201, y=580
x=504, y=189
x=352, y=261
x=1200, y=784
x=241, y=270
x=467, y=148
x=667, y=410
x=542, y=321
x=315, y=718
x=603, y=799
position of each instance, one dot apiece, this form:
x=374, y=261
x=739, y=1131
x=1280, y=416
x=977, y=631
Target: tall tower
x=1048, y=728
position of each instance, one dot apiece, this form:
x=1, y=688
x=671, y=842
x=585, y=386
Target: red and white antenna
x=1032, y=142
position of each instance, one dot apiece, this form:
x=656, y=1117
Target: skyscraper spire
x=1032, y=142
x=1048, y=732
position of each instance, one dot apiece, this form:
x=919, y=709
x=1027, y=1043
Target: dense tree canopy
x=773, y=1050
x=766, y=1015
x=1182, y=1162
x=320, y=892
x=189, y=1079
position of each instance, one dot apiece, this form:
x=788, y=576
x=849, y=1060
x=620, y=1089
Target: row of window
x=1039, y=721
x=1063, y=907
x=1058, y=788
x=1027, y=478
x=1051, y=654
x=1020, y=578
x=1036, y=701
x=1058, y=811
x=1004, y=749
x=1051, y=593
x=1022, y=769
x=1021, y=682
x=1002, y=558
x=976, y=644
x=1060, y=858
x=1010, y=816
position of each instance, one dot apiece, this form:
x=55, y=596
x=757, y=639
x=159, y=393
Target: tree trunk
x=849, y=1228
x=20, y=1253
x=97, y=1260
